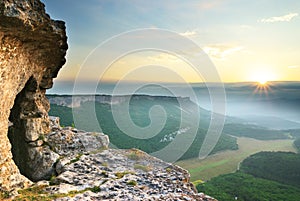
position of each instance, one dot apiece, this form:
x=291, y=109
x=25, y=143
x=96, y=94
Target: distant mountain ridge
x=76, y=100
x=271, y=122
x=82, y=106
x=179, y=113
x=278, y=99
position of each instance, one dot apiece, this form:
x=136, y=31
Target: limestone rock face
x=92, y=171
x=32, y=50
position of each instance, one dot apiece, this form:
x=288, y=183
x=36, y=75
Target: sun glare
x=262, y=78
x=262, y=74
x=262, y=82
x=263, y=86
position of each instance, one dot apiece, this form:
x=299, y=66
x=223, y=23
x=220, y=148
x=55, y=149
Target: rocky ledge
x=32, y=50
x=65, y=163
x=87, y=169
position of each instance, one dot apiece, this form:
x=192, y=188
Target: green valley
x=228, y=161
x=262, y=176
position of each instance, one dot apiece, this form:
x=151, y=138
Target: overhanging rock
x=32, y=50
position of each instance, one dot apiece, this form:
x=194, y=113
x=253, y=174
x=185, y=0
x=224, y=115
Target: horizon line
x=154, y=82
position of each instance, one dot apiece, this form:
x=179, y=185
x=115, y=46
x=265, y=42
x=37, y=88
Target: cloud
x=163, y=57
x=189, y=33
x=283, y=18
x=293, y=67
x=221, y=51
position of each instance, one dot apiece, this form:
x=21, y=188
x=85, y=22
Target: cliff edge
x=46, y=161
x=32, y=50
x=88, y=169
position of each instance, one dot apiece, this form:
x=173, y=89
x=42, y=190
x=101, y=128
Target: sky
x=256, y=40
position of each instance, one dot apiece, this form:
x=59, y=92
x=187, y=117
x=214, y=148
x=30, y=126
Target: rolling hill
x=262, y=176
x=177, y=119
x=169, y=117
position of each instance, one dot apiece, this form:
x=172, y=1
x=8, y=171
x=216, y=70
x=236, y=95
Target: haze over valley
x=258, y=118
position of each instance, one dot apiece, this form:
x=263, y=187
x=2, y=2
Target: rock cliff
x=65, y=163
x=32, y=50
x=88, y=169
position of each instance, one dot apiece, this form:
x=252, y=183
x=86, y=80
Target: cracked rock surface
x=65, y=163
x=32, y=50
x=92, y=171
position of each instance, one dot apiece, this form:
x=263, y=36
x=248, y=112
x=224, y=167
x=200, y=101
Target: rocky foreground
x=66, y=163
x=88, y=170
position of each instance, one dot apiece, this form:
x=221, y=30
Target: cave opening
x=28, y=124
x=17, y=130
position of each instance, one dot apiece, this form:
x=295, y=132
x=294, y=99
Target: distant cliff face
x=32, y=50
x=73, y=101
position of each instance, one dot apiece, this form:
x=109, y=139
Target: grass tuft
x=132, y=183
x=142, y=167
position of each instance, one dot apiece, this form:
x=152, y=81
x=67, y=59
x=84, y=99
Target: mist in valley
x=276, y=105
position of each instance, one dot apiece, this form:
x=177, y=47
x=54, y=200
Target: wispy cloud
x=221, y=51
x=163, y=57
x=283, y=18
x=293, y=66
x=189, y=33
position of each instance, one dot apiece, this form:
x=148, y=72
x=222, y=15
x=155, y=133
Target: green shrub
x=95, y=189
x=132, y=183
x=120, y=175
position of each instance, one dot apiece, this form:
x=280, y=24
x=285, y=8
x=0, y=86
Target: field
x=228, y=161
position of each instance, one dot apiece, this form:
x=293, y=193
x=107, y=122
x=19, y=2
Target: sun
x=262, y=82
x=262, y=86
x=262, y=73
x=261, y=78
